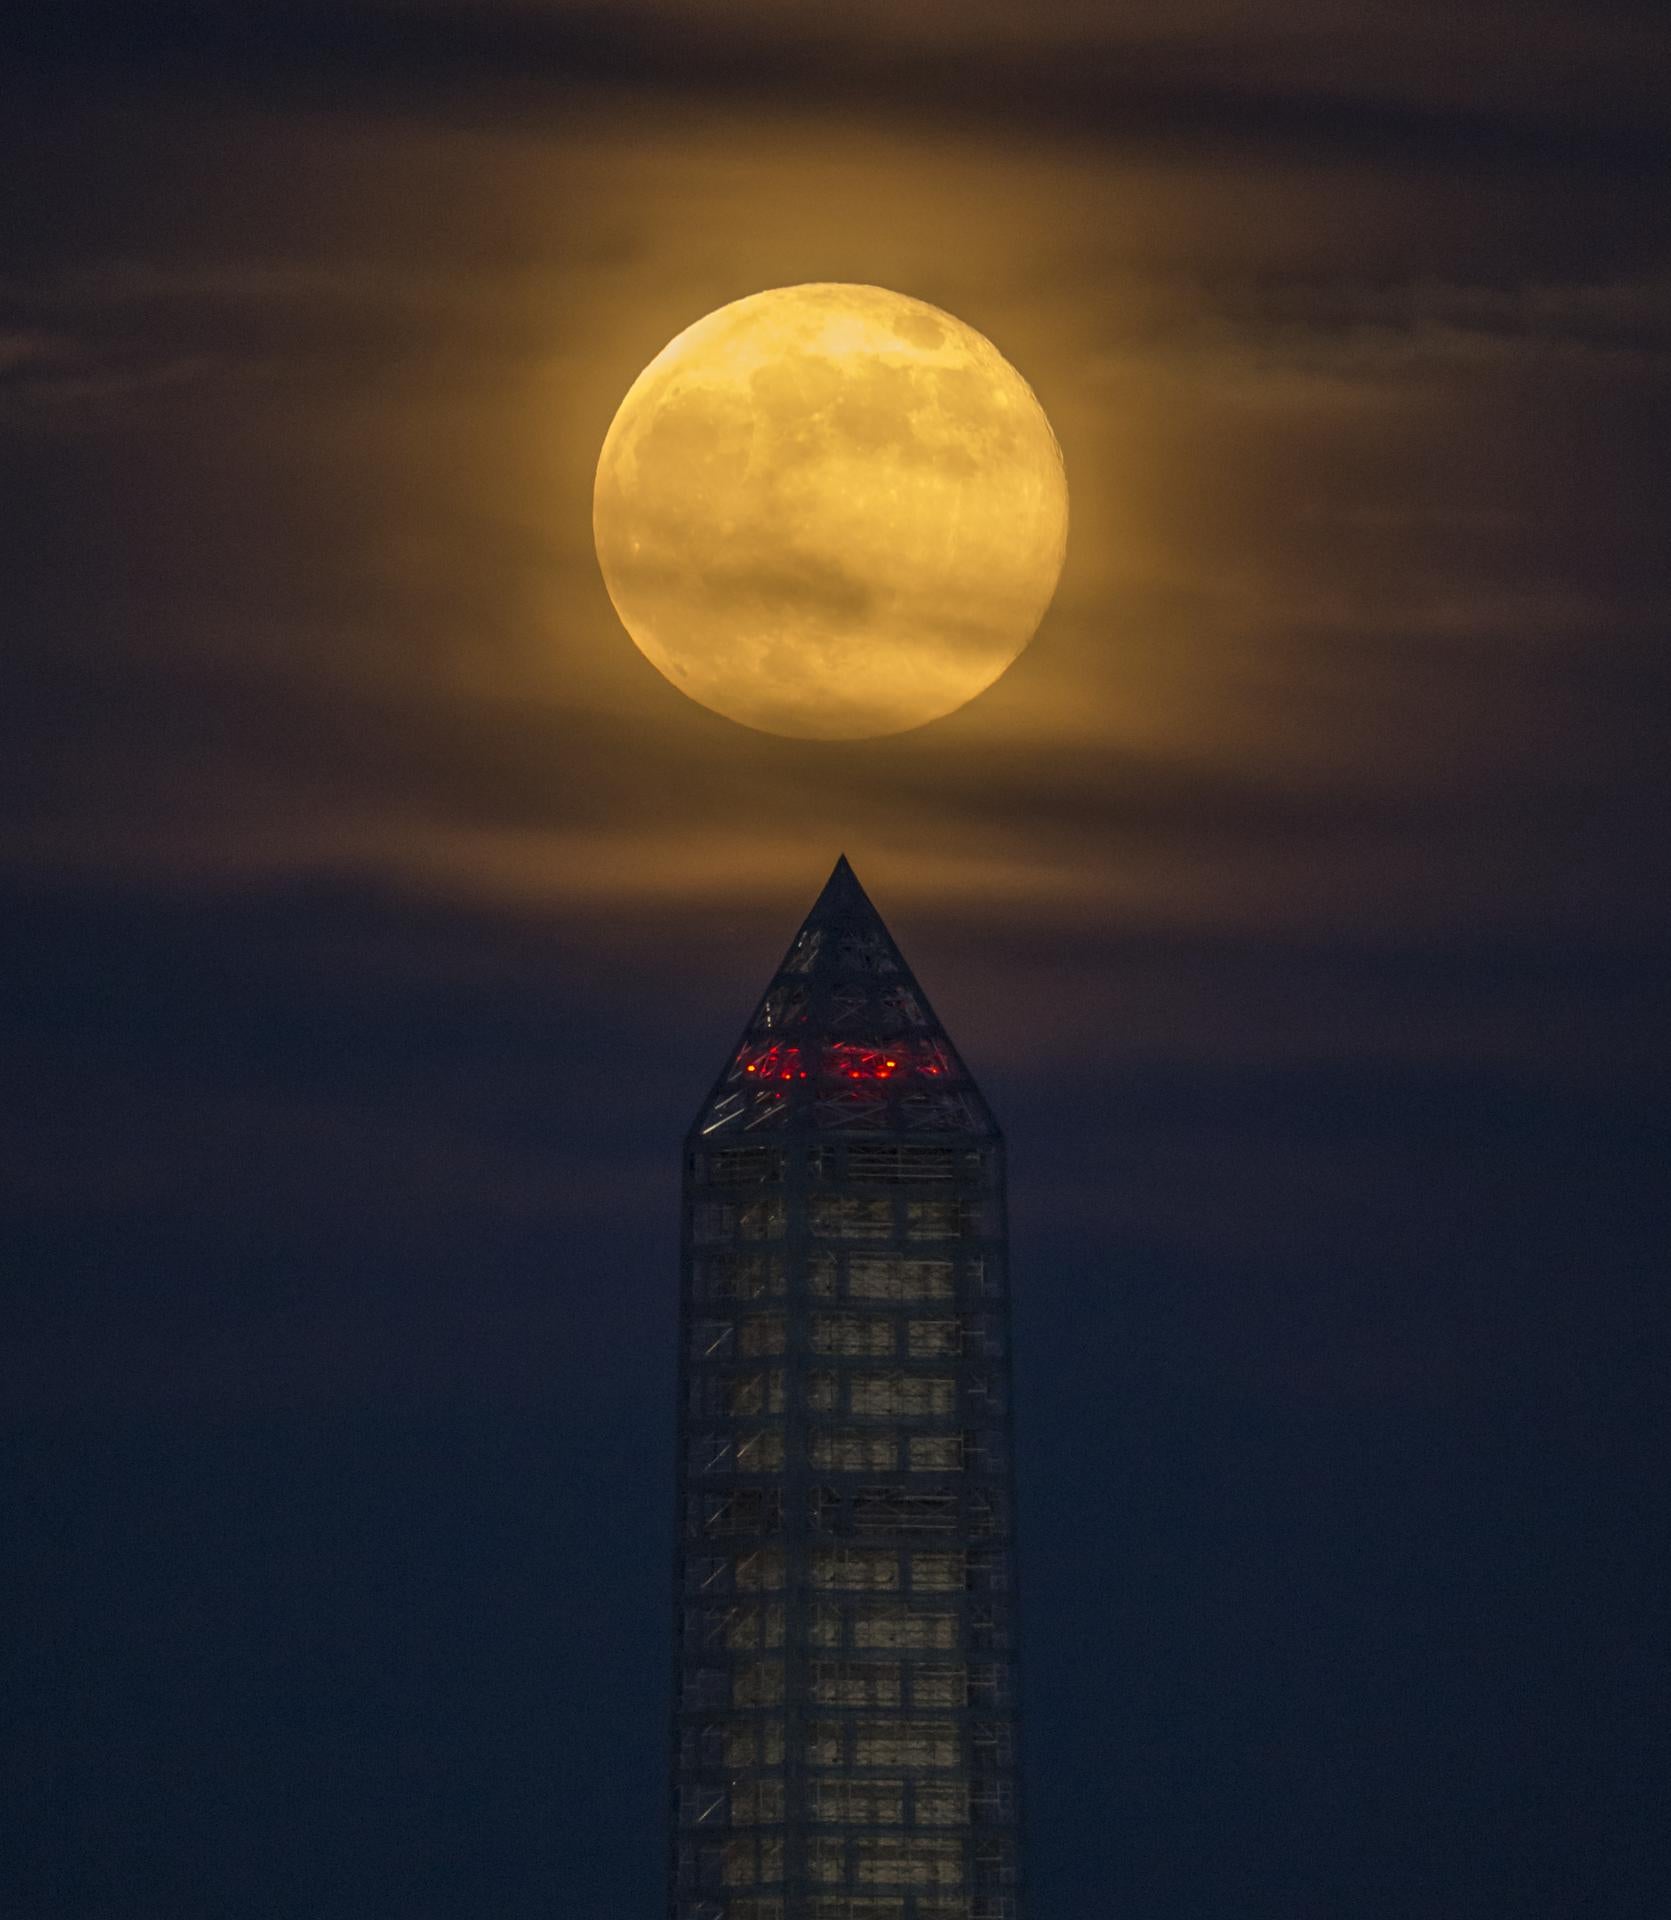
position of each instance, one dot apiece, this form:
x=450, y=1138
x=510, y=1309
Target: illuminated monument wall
x=845, y=1725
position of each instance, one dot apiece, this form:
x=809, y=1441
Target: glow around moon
x=830, y=511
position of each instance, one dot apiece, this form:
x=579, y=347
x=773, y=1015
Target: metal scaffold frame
x=845, y=1726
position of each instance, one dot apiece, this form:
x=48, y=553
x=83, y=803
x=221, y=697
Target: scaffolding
x=845, y=1723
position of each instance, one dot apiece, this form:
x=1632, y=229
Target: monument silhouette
x=845, y=1720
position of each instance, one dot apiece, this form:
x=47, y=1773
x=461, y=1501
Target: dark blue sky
x=374, y=919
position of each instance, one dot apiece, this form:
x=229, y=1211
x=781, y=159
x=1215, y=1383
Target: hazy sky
x=378, y=917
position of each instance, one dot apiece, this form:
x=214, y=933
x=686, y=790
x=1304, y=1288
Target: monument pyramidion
x=845, y=1736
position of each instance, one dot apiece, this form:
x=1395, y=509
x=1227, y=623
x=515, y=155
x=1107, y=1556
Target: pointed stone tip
x=843, y=883
x=844, y=1040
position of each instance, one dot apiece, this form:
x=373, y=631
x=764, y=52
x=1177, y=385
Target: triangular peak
x=843, y=934
x=844, y=1040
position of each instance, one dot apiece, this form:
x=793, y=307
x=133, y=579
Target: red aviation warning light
x=900, y=1060
x=847, y=1061
x=772, y=1063
x=776, y=1062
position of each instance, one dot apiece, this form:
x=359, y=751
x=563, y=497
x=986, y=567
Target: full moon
x=830, y=511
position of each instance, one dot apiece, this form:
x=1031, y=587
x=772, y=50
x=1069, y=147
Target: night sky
x=374, y=918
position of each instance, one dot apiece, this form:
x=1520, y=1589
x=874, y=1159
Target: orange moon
x=830, y=511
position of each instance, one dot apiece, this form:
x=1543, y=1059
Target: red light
x=853, y=1062
x=773, y=1063
x=844, y=1060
